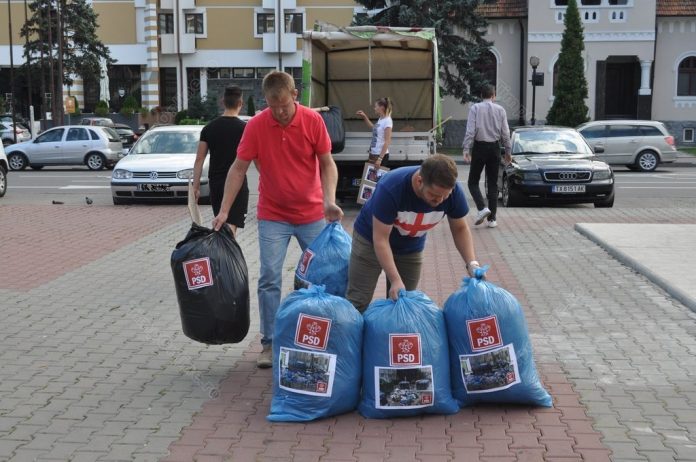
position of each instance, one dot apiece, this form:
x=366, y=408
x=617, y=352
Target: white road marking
x=77, y=186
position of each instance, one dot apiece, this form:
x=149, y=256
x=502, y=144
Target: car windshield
x=549, y=142
x=167, y=142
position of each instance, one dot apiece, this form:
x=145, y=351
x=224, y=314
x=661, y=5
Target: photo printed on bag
x=491, y=371
x=404, y=388
x=307, y=372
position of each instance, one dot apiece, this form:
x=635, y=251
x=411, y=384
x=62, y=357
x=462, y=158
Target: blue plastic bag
x=491, y=356
x=325, y=261
x=317, y=344
x=405, y=359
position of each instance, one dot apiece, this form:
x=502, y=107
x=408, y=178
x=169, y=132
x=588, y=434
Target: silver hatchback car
x=637, y=144
x=95, y=147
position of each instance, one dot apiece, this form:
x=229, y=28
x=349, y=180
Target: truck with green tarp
x=351, y=67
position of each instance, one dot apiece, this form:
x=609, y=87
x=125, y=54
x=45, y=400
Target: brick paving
x=95, y=367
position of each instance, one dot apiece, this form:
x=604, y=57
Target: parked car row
x=4, y=167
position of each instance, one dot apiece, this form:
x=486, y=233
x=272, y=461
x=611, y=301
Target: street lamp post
x=534, y=62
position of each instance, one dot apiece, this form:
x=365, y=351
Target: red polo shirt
x=288, y=162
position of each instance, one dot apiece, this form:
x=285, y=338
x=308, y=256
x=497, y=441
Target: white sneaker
x=492, y=223
x=482, y=215
x=265, y=359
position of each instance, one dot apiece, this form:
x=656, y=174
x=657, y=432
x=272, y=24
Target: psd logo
x=312, y=332
x=305, y=261
x=484, y=333
x=404, y=349
x=198, y=273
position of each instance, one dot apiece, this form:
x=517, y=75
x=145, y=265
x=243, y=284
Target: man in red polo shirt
x=297, y=187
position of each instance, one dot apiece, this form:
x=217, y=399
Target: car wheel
x=36, y=167
x=647, y=161
x=95, y=161
x=510, y=197
x=17, y=161
x=3, y=181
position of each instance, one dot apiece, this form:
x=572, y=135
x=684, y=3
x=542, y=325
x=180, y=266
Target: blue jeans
x=274, y=237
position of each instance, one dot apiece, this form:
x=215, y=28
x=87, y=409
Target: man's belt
x=487, y=142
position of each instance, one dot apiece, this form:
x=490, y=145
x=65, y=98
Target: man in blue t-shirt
x=389, y=232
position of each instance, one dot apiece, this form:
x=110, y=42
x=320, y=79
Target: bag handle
x=194, y=211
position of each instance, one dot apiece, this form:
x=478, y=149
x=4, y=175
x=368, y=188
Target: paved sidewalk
x=95, y=367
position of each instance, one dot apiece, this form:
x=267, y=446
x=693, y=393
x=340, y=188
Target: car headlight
x=602, y=174
x=121, y=174
x=532, y=176
x=185, y=174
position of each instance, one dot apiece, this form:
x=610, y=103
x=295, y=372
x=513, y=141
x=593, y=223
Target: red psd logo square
x=405, y=349
x=198, y=273
x=305, y=261
x=484, y=333
x=312, y=332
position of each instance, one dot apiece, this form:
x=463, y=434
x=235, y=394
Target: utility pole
x=9, y=28
x=51, y=77
x=27, y=57
x=59, y=88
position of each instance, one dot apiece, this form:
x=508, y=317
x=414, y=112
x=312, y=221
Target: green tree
x=569, y=108
x=460, y=33
x=62, y=35
x=204, y=108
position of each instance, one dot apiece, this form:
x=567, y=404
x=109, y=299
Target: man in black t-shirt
x=221, y=137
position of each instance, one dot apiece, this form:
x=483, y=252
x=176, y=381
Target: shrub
x=191, y=122
x=181, y=115
x=102, y=108
x=251, y=107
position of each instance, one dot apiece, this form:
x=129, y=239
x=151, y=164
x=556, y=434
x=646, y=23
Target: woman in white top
x=381, y=131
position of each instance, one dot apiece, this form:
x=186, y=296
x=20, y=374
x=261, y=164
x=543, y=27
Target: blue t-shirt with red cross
x=395, y=203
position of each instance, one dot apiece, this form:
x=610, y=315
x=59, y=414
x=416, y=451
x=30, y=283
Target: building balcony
x=187, y=44
x=285, y=4
x=182, y=4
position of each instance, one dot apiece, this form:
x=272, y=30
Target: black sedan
x=554, y=165
x=127, y=135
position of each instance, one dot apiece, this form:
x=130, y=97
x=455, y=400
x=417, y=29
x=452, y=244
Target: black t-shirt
x=222, y=135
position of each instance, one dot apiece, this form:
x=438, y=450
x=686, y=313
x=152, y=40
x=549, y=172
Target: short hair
x=439, y=170
x=487, y=91
x=232, y=97
x=275, y=83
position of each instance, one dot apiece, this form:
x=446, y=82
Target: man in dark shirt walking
x=221, y=137
x=486, y=129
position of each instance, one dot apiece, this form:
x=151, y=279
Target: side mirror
x=598, y=149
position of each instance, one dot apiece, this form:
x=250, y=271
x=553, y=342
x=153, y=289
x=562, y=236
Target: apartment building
x=640, y=57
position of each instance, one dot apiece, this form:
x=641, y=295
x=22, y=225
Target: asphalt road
x=671, y=186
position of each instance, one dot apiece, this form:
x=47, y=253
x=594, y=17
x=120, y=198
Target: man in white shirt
x=486, y=129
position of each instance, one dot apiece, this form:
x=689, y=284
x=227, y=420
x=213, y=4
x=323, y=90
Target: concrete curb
x=631, y=262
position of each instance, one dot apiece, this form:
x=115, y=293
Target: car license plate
x=568, y=188
x=153, y=187
x=356, y=181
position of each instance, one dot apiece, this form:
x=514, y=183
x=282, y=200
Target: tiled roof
x=503, y=9
x=676, y=7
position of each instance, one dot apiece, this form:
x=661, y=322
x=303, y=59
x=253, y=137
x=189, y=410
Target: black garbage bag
x=212, y=286
x=333, y=119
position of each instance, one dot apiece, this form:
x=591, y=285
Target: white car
x=8, y=137
x=4, y=167
x=95, y=147
x=159, y=166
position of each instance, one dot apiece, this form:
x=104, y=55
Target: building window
x=561, y=2
x=618, y=2
x=560, y=17
x=265, y=23
x=295, y=72
x=243, y=73
x=590, y=2
x=293, y=23
x=262, y=71
x=617, y=16
x=686, y=81
x=194, y=23
x=219, y=73
x=590, y=16
x=166, y=23
x=688, y=135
